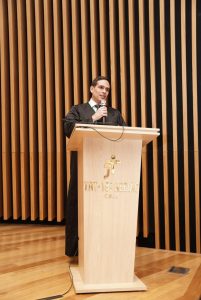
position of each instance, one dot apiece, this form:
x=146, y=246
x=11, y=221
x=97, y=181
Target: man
x=90, y=112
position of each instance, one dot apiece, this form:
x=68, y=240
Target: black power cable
x=112, y=140
x=68, y=290
x=60, y=295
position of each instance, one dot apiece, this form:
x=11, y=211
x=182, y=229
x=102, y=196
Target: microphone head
x=103, y=103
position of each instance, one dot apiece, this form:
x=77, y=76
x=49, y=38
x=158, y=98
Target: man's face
x=100, y=91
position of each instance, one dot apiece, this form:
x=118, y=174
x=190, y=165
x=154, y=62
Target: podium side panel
x=80, y=213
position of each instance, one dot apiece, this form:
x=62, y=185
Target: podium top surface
x=112, y=133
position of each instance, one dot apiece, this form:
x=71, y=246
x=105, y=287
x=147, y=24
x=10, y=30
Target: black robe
x=81, y=113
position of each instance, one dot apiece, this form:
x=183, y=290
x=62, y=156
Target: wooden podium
x=109, y=164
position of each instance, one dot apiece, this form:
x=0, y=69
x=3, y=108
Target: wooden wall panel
x=50, y=109
x=154, y=124
x=195, y=127
x=103, y=37
x=143, y=117
x=174, y=123
x=76, y=43
x=14, y=97
x=59, y=107
x=33, y=137
x=50, y=51
x=132, y=56
x=94, y=26
x=5, y=113
x=24, y=109
x=68, y=73
x=113, y=54
x=1, y=185
x=67, y=54
x=185, y=123
x=85, y=27
x=123, y=55
x=164, y=124
x=41, y=109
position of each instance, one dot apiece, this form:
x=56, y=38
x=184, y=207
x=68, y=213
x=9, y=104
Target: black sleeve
x=72, y=118
x=121, y=121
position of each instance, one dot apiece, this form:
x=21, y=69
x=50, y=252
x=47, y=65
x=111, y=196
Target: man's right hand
x=101, y=112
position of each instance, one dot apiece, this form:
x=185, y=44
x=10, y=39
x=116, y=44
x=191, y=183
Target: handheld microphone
x=103, y=103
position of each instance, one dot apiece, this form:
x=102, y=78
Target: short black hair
x=98, y=78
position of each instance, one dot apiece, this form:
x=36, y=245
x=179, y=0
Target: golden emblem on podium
x=110, y=165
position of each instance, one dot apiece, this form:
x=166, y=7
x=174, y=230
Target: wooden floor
x=33, y=266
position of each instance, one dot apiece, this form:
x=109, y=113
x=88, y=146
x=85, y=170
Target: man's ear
x=91, y=88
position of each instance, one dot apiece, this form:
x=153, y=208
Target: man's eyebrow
x=102, y=86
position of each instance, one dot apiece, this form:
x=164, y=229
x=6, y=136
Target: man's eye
x=101, y=87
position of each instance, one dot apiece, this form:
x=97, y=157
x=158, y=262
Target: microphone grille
x=103, y=103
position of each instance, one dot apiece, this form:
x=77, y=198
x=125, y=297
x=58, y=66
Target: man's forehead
x=103, y=83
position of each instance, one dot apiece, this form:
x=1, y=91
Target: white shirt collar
x=92, y=103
